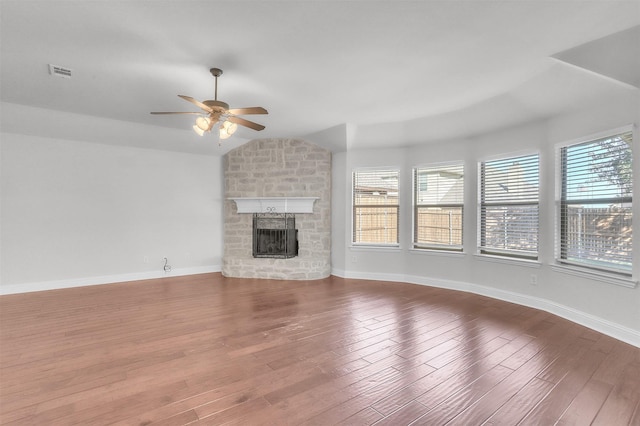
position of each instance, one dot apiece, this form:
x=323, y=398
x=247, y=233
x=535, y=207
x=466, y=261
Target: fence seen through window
x=509, y=213
x=438, y=206
x=375, y=207
x=596, y=204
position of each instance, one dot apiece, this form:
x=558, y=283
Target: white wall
x=77, y=213
x=339, y=204
x=605, y=306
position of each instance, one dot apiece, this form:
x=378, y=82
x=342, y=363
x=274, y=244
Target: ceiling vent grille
x=59, y=71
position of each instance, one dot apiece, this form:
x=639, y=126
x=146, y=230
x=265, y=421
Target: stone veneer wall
x=278, y=168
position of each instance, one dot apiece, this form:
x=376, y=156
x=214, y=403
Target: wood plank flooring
x=210, y=350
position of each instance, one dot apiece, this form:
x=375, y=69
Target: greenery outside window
x=375, y=207
x=595, y=211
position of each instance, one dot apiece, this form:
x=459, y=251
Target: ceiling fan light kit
x=216, y=111
x=227, y=129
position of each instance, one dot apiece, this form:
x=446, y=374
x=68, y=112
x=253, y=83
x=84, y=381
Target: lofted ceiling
x=349, y=74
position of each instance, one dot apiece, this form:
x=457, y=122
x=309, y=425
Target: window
x=595, y=204
x=375, y=207
x=438, y=205
x=509, y=207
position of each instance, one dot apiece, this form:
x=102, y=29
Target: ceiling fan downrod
x=216, y=72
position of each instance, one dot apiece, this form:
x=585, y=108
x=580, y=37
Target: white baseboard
x=105, y=279
x=369, y=276
x=593, y=322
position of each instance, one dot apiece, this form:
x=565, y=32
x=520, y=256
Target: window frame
x=513, y=255
x=416, y=188
x=561, y=219
x=354, y=207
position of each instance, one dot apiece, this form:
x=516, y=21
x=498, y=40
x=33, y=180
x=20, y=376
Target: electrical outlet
x=354, y=259
x=533, y=279
x=145, y=259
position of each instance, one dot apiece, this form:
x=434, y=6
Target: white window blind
x=509, y=207
x=596, y=204
x=438, y=207
x=375, y=207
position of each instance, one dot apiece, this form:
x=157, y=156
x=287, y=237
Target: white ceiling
x=435, y=69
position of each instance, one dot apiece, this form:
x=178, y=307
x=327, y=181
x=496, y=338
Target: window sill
x=374, y=247
x=595, y=275
x=435, y=252
x=508, y=260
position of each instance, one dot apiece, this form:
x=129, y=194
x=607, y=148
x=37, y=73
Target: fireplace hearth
x=275, y=235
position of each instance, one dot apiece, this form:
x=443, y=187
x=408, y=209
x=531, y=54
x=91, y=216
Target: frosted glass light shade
x=203, y=123
x=227, y=129
x=198, y=130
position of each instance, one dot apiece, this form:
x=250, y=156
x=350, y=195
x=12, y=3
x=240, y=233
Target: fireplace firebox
x=275, y=235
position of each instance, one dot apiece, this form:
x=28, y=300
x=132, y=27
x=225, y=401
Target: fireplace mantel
x=275, y=204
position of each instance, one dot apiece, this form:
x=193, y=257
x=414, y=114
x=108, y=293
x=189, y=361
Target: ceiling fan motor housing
x=217, y=105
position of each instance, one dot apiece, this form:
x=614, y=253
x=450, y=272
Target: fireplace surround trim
x=275, y=204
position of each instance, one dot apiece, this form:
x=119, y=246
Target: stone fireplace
x=272, y=178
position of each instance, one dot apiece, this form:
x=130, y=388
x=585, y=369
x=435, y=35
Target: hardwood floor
x=212, y=350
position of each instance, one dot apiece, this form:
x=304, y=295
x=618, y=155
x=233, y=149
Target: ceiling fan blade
x=246, y=123
x=167, y=112
x=195, y=102
x=250, y=110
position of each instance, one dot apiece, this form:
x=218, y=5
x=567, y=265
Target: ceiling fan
x=216, y=111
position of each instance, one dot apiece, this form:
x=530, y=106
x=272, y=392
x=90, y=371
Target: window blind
x=375, y=206
x=509, y=213
x=438, y=206
x=596, y=204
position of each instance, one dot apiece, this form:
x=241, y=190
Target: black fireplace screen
x=275, y=235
